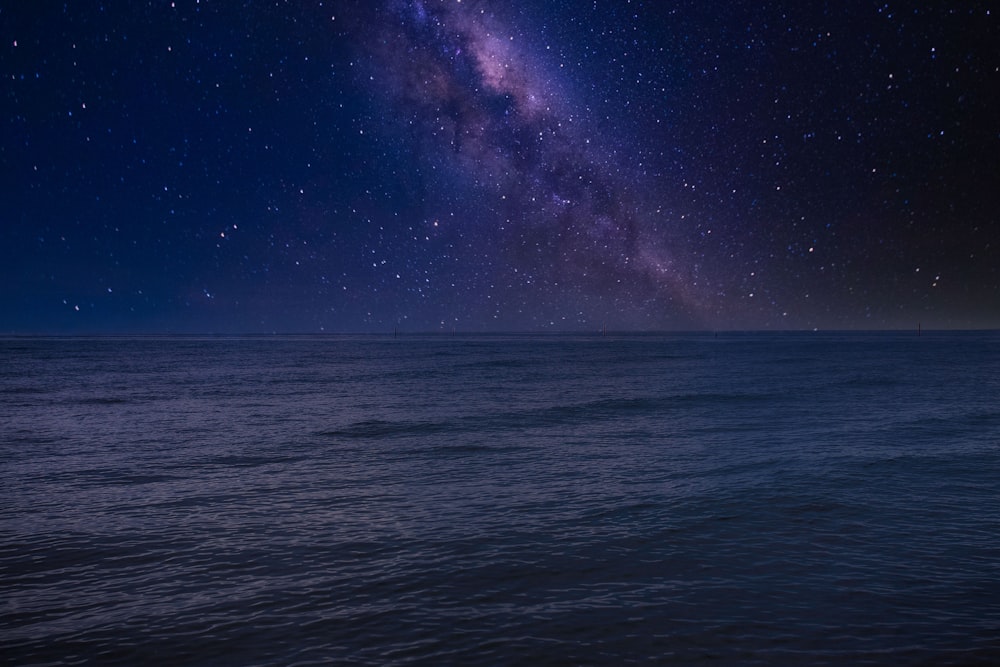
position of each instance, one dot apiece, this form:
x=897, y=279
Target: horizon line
x=598, y=333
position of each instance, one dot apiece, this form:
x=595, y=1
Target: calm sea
x=778, y=499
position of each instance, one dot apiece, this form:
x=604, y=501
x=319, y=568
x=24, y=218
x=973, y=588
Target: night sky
x=464, y=165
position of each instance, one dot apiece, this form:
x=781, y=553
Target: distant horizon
x=595, y=333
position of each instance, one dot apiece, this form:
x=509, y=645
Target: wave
x=609, y=409
x=864, y=381
x=378, y=428
x=101, y=478
x=18, y=390
x=103, y=400
x=500, y=364
x=248, y=461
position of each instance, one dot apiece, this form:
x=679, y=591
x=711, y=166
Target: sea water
x=804, y=498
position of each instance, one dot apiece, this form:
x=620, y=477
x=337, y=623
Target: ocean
x=684, y=499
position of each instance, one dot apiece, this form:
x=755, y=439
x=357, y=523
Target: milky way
x=567, y=208
x=446, y=165
x=597, y=221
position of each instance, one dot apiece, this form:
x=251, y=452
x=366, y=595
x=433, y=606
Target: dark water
x=769, y=499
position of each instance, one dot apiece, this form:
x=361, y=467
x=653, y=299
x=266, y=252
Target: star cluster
x=469, y=165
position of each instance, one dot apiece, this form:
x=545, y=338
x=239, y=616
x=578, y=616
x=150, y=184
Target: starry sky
x=469, y=165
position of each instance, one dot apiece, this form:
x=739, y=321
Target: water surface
x=685, y=499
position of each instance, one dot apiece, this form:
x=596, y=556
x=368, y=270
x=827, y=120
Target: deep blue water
x=677, y=499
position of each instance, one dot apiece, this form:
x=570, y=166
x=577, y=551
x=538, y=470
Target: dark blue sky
x=206, y=166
